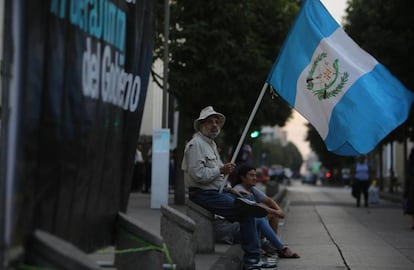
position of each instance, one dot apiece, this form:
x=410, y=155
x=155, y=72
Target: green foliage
x=221, y=53
x=270, y=153
x=328, y=159
x=385, y=29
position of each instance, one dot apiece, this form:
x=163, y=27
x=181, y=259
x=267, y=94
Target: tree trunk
x=185, y=131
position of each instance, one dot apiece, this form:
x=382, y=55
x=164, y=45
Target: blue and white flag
x=352, y=100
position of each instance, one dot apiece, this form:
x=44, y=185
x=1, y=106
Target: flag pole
x=246, y=129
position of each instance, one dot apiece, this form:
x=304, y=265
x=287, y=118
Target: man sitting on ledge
x=204, y=175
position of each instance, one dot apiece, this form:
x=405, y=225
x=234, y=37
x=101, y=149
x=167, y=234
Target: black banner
x=83, y=70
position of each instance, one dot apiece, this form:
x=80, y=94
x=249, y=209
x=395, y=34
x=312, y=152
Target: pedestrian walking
x=409, y=190
x=362, y=179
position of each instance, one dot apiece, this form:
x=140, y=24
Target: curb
x=393, y=197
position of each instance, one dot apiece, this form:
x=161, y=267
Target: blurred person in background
x=138, y=175
x=362, y=176
x=409, y=190
x=346, y=176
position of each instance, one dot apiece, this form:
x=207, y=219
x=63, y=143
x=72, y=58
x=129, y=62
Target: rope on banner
x=148, y=247
x=31, y=267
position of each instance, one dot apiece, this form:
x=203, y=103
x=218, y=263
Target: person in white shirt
x=138, y=175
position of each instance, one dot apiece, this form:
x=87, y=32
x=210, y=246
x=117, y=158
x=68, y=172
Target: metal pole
x=246, y=129
x=165, y=99
x=392, y=174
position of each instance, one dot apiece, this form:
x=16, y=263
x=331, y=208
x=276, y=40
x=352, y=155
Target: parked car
x=277, y=173
x=262, y=174
x=288, y=172
x=309, y=178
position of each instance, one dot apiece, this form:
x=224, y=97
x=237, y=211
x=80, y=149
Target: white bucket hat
x=205, y=113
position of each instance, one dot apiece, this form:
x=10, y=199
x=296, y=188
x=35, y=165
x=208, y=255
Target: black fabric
x=408, y=202
x=76, y=136
x=354, y=190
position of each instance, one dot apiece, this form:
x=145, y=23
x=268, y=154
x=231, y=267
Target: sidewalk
x=139, y=208
x=329, y=232
x=322, y=225
x=226, y=257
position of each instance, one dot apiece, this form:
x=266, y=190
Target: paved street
x=329, y=232
x=323, y=225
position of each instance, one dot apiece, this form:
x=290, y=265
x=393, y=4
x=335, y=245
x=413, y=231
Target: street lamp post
x=165, y=100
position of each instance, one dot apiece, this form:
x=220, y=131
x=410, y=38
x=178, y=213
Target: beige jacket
x=201, y=163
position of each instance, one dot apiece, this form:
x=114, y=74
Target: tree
x=294, y=159
x=270, y=153
x=386, y=30
x=328, y=159
x=220, y=54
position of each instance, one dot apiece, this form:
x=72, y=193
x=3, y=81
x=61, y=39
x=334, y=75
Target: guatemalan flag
x=352, y=100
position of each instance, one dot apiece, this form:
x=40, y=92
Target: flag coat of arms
x=350, y=98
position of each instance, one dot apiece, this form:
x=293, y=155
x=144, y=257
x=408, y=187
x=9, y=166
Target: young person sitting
x=246, y=187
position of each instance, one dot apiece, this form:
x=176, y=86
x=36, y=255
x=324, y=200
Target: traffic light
x=255, y=134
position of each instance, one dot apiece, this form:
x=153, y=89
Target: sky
x=296, y=127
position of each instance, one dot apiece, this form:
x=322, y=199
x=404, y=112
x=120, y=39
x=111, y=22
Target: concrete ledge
x=392, y=197
x=280, y=196
x=204, y=230
x=177, y=229
x=130, y=233
x=45, y=250
x=177, y=217
x=272, y=188
x=135, y=227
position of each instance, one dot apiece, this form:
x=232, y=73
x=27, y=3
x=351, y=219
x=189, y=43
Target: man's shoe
x=259, y=265
x=272, y=259
x=251, y=208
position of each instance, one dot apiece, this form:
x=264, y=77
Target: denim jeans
x=267, y=231
x=223, y=204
